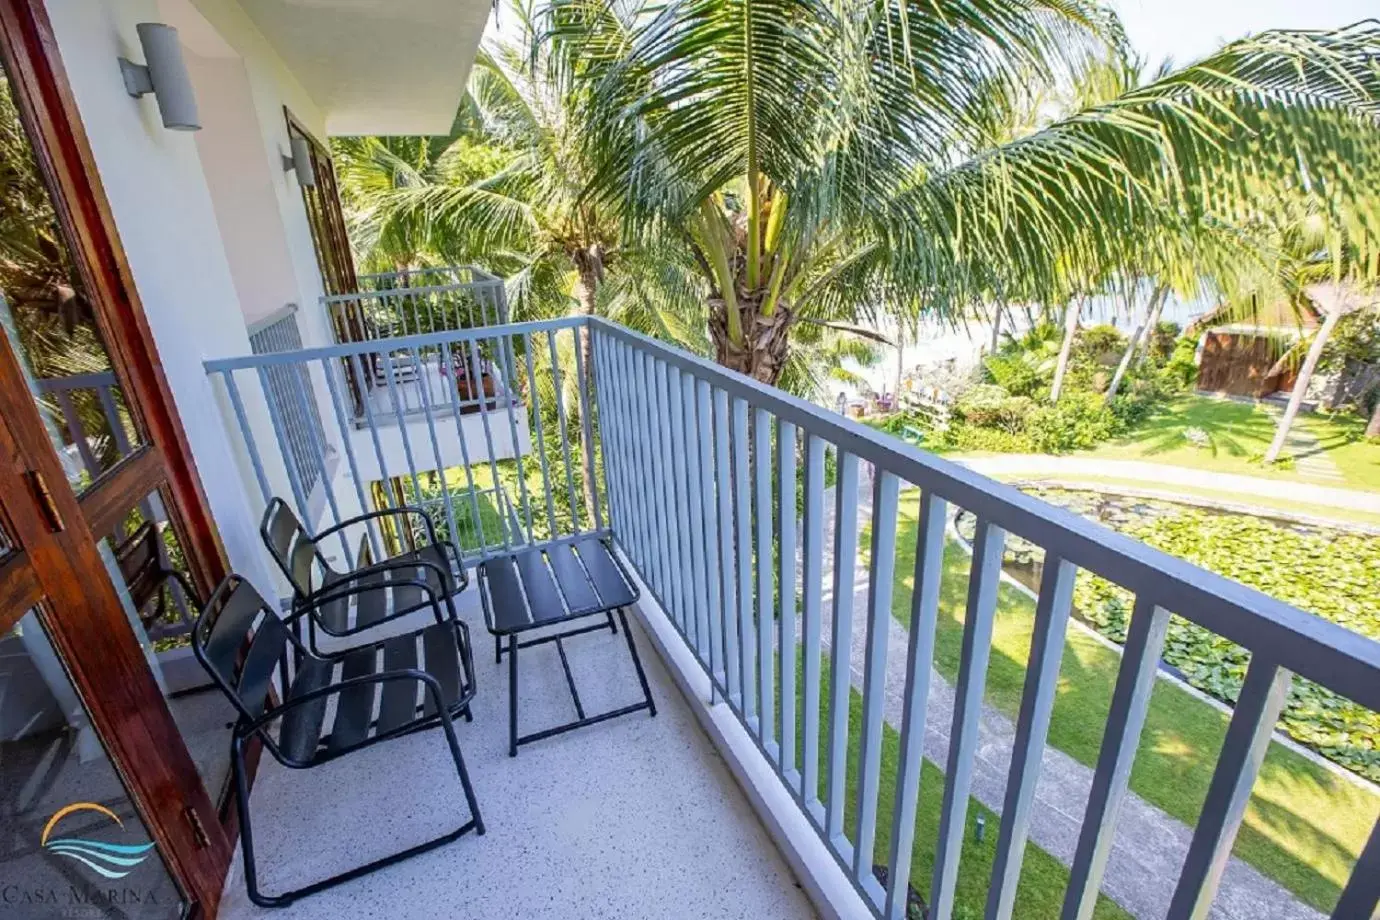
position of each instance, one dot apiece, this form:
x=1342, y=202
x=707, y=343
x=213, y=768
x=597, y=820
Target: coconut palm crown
x=825, y=159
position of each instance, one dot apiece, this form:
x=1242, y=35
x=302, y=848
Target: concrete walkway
x=1149, y=846
x=1164, y=475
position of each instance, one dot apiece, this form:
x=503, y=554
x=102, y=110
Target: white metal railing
x=303, y=432
x=449, y=418
x=417, y=302
x=64, y=391
x=714, y=487
x=703, y=469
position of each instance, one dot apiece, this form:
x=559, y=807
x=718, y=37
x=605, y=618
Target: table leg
x=637, y=663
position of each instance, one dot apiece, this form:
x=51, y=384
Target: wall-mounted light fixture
x=165, y=75
x=300, y=161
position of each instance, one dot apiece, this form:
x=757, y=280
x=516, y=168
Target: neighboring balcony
x=392, y=382
x=798, y=579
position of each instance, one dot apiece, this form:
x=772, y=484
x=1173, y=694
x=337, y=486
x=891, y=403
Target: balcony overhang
x=377, y=66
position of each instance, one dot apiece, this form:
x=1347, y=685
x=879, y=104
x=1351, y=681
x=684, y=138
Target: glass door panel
x=50, y=321
x=72, y=842
x=147, y=564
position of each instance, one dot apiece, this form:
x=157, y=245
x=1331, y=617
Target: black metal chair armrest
x=402, y=511
x=339, y=591
x=462, y=580
x=483, y=582
x=433, y=690
x=391, y=565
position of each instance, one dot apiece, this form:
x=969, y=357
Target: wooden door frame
x=100, y=652
x=334, y=259
x=45, y=98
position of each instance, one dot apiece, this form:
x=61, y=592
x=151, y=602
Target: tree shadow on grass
x=1234, y=429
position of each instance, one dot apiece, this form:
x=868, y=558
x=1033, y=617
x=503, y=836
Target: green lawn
x=1304, y=826
x=1239, y=434
x=1044, y=879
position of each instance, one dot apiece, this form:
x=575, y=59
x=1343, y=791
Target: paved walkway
x=1162, y=475
x=1149, y=847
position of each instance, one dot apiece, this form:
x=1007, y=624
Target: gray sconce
x=165, y=75
x=300, y=161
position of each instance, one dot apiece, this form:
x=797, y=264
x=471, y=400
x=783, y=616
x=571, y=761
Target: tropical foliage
x=828, y=162
x=1006, y=407
x=729, y=174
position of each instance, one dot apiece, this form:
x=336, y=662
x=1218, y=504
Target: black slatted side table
x=551, y=586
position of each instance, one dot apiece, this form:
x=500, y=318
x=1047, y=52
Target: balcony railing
x=717, y=490
x=417, y=302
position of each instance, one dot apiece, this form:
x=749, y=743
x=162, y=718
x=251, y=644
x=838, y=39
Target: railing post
x=1135, y=680
x=1032, y=729
x=924, y=617
x=840, y=672
x=963, y=739
x=1253, y=719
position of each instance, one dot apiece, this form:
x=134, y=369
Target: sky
x=1190, y=29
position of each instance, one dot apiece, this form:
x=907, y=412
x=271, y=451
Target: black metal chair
x=377, y=592
x=243, y=643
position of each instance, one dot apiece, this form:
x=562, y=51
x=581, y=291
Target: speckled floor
x=636, y=817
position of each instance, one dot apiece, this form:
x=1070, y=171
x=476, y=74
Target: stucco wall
x=241, y=186
x=168, y=226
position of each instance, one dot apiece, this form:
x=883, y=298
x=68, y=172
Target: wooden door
x=90, y=445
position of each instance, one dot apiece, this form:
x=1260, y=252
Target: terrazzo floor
x=636, y=817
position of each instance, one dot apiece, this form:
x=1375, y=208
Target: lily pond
x=1333, y=572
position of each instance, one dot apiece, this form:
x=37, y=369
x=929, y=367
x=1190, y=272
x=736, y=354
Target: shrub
x=1020, y=373
x=1078, y=421
x=969, y=438
x=1180, y=371
x=1101, y=344
x=1162, y=342
x=989, y=406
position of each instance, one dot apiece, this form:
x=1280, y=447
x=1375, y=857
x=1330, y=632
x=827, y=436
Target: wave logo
x=110, y=860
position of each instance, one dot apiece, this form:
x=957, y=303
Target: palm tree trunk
x=766, y=339
x=589, y=266
x=1152, y=321
x=1373, y=429
x=1139, y=336
x=1070, y=327
x=1125, y=363
x=1310, y=363
x=996, y=328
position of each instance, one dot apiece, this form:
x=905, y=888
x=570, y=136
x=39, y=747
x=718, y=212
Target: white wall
x=272, y=88
x=240, y=181
x=167, y=226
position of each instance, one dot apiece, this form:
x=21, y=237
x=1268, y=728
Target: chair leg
x=637, y=663
x=475, y=823
x=512, y=695
x=251, y=874
x=498, y=650
x=454, y=743
x=612, y=627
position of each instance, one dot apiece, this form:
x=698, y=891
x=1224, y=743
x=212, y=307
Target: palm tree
x=821, y=159
x=1335, y=272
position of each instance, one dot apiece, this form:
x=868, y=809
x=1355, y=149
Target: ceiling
x=377, y=66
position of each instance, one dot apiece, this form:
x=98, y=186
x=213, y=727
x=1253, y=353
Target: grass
x=1044, y=878
x=1304, y=826
x=1238, y=434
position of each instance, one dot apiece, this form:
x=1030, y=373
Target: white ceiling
x=377, y=66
